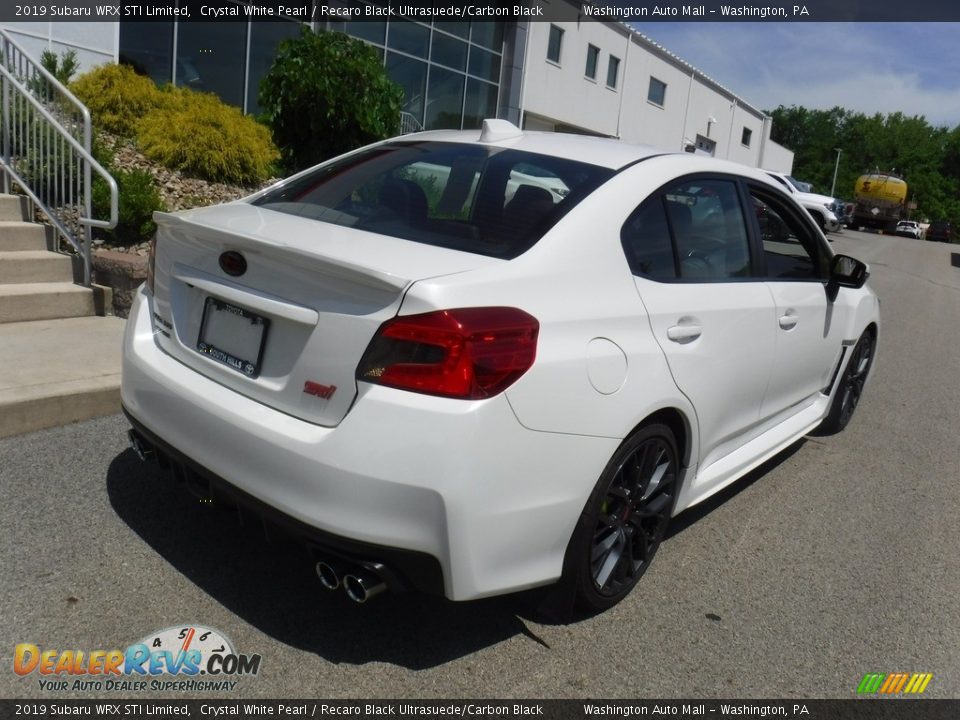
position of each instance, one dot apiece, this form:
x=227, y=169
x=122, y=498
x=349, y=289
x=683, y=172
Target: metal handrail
x=409, y=123
x=46, y=150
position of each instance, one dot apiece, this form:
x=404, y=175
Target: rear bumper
x=459, y=486
x=403, y=569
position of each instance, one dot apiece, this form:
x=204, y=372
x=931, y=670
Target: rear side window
x=693, y=230
x=484, y=200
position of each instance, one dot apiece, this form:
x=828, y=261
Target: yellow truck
x=880, y=201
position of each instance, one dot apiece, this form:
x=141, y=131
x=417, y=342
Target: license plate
x=233, y=336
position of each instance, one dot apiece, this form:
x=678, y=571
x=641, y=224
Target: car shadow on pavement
x=272, y=585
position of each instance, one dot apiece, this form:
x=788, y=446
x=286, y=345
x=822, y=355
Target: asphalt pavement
x=839, y=557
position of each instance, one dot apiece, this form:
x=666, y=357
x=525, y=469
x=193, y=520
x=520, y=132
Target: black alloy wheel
x=850, y=389
x=626, y=518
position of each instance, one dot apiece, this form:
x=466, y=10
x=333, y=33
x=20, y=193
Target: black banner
x=322, y=11
x=854, y=709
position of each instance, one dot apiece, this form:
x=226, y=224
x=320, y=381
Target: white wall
x=778, y=158
x=559, y=94
x=561, y=91
x=95, y=43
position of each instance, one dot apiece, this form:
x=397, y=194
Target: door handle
x=684, y=333
x=789, y=321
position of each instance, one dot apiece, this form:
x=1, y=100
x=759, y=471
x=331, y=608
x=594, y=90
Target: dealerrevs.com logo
x=182, y=658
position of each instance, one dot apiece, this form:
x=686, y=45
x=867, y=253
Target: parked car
x=909, y=228
x=840, y=210
x=940, y=230
x=820, y=207
x=441, y=389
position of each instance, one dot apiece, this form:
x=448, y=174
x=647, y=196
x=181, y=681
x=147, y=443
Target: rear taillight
x=151, y=263
x=468, y=353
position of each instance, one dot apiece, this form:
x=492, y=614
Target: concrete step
x=13, y=207
x=34, y=266
x=57, y=372
x=18, y=235
x=22, y=302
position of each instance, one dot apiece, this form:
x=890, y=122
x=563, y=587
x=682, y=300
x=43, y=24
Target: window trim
x=746, y=136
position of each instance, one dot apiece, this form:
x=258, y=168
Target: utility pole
x=836, y=167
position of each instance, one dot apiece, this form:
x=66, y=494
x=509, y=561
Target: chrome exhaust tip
x=142, y=450
x=363, y=585
x=329, y=575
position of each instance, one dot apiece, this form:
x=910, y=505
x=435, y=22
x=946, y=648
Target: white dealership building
x=577, y=75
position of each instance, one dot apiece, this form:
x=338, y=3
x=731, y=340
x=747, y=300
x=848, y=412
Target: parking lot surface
x=837, y=558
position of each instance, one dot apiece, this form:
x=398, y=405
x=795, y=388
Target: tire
x=625, y=519
x=850, y=388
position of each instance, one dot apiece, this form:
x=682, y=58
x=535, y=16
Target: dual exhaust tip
x=359, y=583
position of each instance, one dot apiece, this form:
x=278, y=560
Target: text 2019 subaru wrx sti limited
x=476, y=362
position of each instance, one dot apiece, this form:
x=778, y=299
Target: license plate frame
x=225, y=338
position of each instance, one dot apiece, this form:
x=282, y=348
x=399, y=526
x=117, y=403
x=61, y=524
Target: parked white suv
x=819, y=206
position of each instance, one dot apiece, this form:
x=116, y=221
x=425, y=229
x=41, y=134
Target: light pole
x=836, y=167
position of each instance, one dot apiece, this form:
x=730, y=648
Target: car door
x=808, y=326
x=688, y=247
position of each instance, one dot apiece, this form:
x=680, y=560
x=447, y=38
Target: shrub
x=202, y=136
x=326, y=94
x=117, y=97
x=62, y=68
x=138, y=198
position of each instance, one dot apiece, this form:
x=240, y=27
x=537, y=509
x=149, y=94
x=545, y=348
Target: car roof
x=606, y=152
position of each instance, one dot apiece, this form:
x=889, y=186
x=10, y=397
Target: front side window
x=693, y=230
x=790, y=249
x=489, y=201
x=554, y=44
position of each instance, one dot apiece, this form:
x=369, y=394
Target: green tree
x=326, y=94
x=926, y=156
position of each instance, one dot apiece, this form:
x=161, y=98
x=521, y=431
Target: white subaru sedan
x=471, y=363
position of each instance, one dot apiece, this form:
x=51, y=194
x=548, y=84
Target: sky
x=913, y=68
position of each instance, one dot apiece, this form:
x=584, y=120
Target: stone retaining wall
x=124, y=272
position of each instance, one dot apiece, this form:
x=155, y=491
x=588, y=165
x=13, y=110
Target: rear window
x=490, y=201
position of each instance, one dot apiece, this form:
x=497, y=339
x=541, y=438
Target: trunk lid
x=289, y=330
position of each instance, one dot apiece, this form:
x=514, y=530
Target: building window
x=613, y=68
x=211, y=57
x=745, y=138
x=148, y=48
x=593, y=57
x=554, y=44
x=657, y=93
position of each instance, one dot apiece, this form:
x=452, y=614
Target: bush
x=326, y=94
x=117, y=97
x=138, y=198
x=202, y=136
x=63, y=67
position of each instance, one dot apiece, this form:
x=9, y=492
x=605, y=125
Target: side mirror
x=846, y=271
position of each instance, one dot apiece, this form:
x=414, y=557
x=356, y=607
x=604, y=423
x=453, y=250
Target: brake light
x=151, y=264
x=467, y=353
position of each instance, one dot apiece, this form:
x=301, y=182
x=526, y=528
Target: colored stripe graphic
x=871, y=682
x=894, y=683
